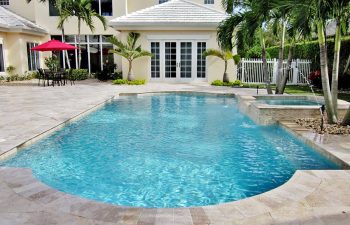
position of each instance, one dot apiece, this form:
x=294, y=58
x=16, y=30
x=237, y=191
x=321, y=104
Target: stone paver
x=28, y=111
x=309, y=197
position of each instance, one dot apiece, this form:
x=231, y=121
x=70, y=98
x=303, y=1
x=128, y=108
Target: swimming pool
x=293, y=102
x=172, y=150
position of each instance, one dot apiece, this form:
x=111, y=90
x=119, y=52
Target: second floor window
x=162, y=1
x=103, y=7
x=209, y=2
x=4, y=2
x=52, y=9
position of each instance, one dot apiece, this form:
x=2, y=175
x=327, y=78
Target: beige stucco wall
x=15, y=50
x=141, y=66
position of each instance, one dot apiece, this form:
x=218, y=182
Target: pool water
x=293, y=102
x=174, y=150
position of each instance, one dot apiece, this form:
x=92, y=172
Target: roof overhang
x=121, y=26
x=7, y=29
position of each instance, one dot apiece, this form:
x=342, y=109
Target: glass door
x=170, y=69
x=186, y=60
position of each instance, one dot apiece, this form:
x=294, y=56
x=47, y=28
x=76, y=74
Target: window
x=106, y=7
x=53, y=11
x=95, y=54
x=209, y=2
x=2, y=64
x=201, y=60
x=162, y=1
x=103, y=7
x=186, y=59
x=4, y=2
x=170, y=60
x=33, y=57
x=155, y=60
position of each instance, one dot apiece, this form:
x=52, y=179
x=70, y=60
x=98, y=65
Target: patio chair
x=41, y=76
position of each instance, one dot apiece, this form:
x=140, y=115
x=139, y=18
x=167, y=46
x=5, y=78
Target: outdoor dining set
x=57, y=76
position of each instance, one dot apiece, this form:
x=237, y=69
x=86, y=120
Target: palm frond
x=214, y=52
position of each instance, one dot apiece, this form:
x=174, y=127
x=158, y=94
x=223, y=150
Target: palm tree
x=81, y=9
x=340, y=11
x=225, y=56
x=129, y=50
x=280, y=21
x=242, y=27
x=317, y=12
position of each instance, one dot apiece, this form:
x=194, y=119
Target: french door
x=180, y=61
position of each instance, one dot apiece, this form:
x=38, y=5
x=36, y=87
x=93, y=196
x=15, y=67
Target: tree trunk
x=225, y=78
x=280, y=59
x=347, y=66
x=265, y=68
x=332, y=118
x=336, y=60
x=79, y=49
x=131, y=76
x=284, y=80
x=346, y=120
x=65, y=53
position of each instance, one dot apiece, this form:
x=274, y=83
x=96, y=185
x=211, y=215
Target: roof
x=13, y=22
x=170, y=15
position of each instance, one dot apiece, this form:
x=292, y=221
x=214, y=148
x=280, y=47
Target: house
x=183, y=27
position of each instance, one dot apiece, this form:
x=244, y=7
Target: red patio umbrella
x=53, y=45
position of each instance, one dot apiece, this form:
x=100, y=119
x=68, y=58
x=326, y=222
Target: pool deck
x=310, y=197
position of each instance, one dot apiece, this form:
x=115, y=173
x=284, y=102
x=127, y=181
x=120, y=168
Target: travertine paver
x=27, y=111
x=309, y=197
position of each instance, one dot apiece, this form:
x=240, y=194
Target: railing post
x=275, y=70
x=243, y=70
x=295, y=71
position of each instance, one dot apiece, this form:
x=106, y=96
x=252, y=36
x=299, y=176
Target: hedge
x=310, y=50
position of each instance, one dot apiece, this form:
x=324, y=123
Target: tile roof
x=181, y=13
x=12, y=21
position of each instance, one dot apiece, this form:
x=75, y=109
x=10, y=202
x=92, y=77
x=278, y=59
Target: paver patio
x=310, y=197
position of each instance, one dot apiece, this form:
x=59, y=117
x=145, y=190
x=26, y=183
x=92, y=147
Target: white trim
x=178, y=37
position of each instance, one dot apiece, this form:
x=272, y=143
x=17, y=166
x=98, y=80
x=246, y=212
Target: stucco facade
x=142, y=66
x=15, y=44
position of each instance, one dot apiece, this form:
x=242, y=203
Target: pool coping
x=302, y=184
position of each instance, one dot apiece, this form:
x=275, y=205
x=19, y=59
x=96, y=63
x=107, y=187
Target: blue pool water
x=173, y=150
x=293, y=102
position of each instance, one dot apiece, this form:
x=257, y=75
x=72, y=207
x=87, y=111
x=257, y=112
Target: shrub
x=134, y=82
x=120, y=81
x=227, y=84
x=255, y=52
x=80, y=74
x=52, y=63
x=217, y=83
x=315, y=79
x=137, y=82
x=310, y=50
x=237, y=83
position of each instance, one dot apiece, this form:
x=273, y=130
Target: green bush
x=310, y=50
x=137, y=82
x=134, y=82
x=80, y=74
x=227, y=84
x=217, y=83
x=255, y=52
x=120, y=81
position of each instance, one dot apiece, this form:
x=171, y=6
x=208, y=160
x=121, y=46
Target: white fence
x=251, y=71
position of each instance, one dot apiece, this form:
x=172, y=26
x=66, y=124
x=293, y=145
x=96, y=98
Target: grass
x=300, y=90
